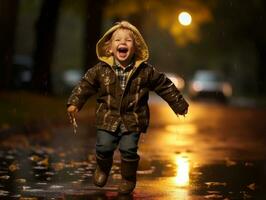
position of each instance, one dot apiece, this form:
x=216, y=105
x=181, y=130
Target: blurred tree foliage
x=164, y=14
x=226, y=35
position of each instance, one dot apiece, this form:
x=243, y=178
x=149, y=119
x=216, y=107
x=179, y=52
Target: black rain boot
x=102, y=170
x=129, y=174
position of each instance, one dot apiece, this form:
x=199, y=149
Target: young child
x=122, y=80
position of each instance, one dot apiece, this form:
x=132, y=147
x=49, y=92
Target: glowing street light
x=184, y=18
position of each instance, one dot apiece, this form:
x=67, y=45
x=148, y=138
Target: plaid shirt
x=122, y=73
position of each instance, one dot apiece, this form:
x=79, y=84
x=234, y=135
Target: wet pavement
x=215, y=152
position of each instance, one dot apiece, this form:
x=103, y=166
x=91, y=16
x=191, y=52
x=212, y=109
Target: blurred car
x=209, y=84
x=71, y=77
x=177, y=80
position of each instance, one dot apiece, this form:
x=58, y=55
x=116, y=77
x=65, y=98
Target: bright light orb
x=183, y=168
x=184, y=18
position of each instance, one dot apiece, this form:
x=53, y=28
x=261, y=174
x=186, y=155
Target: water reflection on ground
x=202, y=156
x=44, y=173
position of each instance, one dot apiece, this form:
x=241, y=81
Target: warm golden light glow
x=184, y=18
x=183, y=168
x=184, y=129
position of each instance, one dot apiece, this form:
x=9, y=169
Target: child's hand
x=72, y=110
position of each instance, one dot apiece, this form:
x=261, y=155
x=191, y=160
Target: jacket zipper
x=130, y=75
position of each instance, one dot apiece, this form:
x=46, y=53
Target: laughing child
x=122, y=80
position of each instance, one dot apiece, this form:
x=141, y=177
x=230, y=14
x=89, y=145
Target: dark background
x=42, y=39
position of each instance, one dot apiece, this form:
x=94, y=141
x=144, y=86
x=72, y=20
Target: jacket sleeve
x=86, y=87
x=166, y=89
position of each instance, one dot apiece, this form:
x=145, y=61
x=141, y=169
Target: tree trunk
x=261, y=71
x=8, y=18
x=92, y=31
x=45, y=43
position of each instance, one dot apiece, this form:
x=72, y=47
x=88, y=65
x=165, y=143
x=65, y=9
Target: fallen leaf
x=3, y=193
x=252, y=186
x=62, y=154
x=213, y=196
x=28, y=198
x=5, y=177
x=35, y=158
x=211, y=184
x=21, y=180
x=56, y=186
x=249, y=164
x=58, y=166
x=44, y=162
x=13, y=167
x=230, y=162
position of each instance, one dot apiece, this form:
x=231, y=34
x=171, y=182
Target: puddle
x=44, y=172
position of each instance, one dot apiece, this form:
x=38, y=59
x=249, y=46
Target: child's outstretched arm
x=84, y=89
x=165, y=88
x=87, y=87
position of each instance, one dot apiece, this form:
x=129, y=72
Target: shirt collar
x=128, y=67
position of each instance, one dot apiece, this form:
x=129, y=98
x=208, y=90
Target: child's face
x=122, y=46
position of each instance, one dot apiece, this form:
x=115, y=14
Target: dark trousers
x=107, y=142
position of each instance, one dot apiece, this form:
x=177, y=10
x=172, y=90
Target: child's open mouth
x=122, y=49
x=122, y=52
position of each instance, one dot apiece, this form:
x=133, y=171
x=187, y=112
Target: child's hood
x=102, y=54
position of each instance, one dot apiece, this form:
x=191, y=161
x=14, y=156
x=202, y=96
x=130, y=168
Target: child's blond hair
x=123, y=26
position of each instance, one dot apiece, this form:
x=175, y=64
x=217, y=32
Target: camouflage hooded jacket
x=130, y=105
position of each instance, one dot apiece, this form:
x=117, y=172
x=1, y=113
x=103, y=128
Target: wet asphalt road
x=215, y=152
